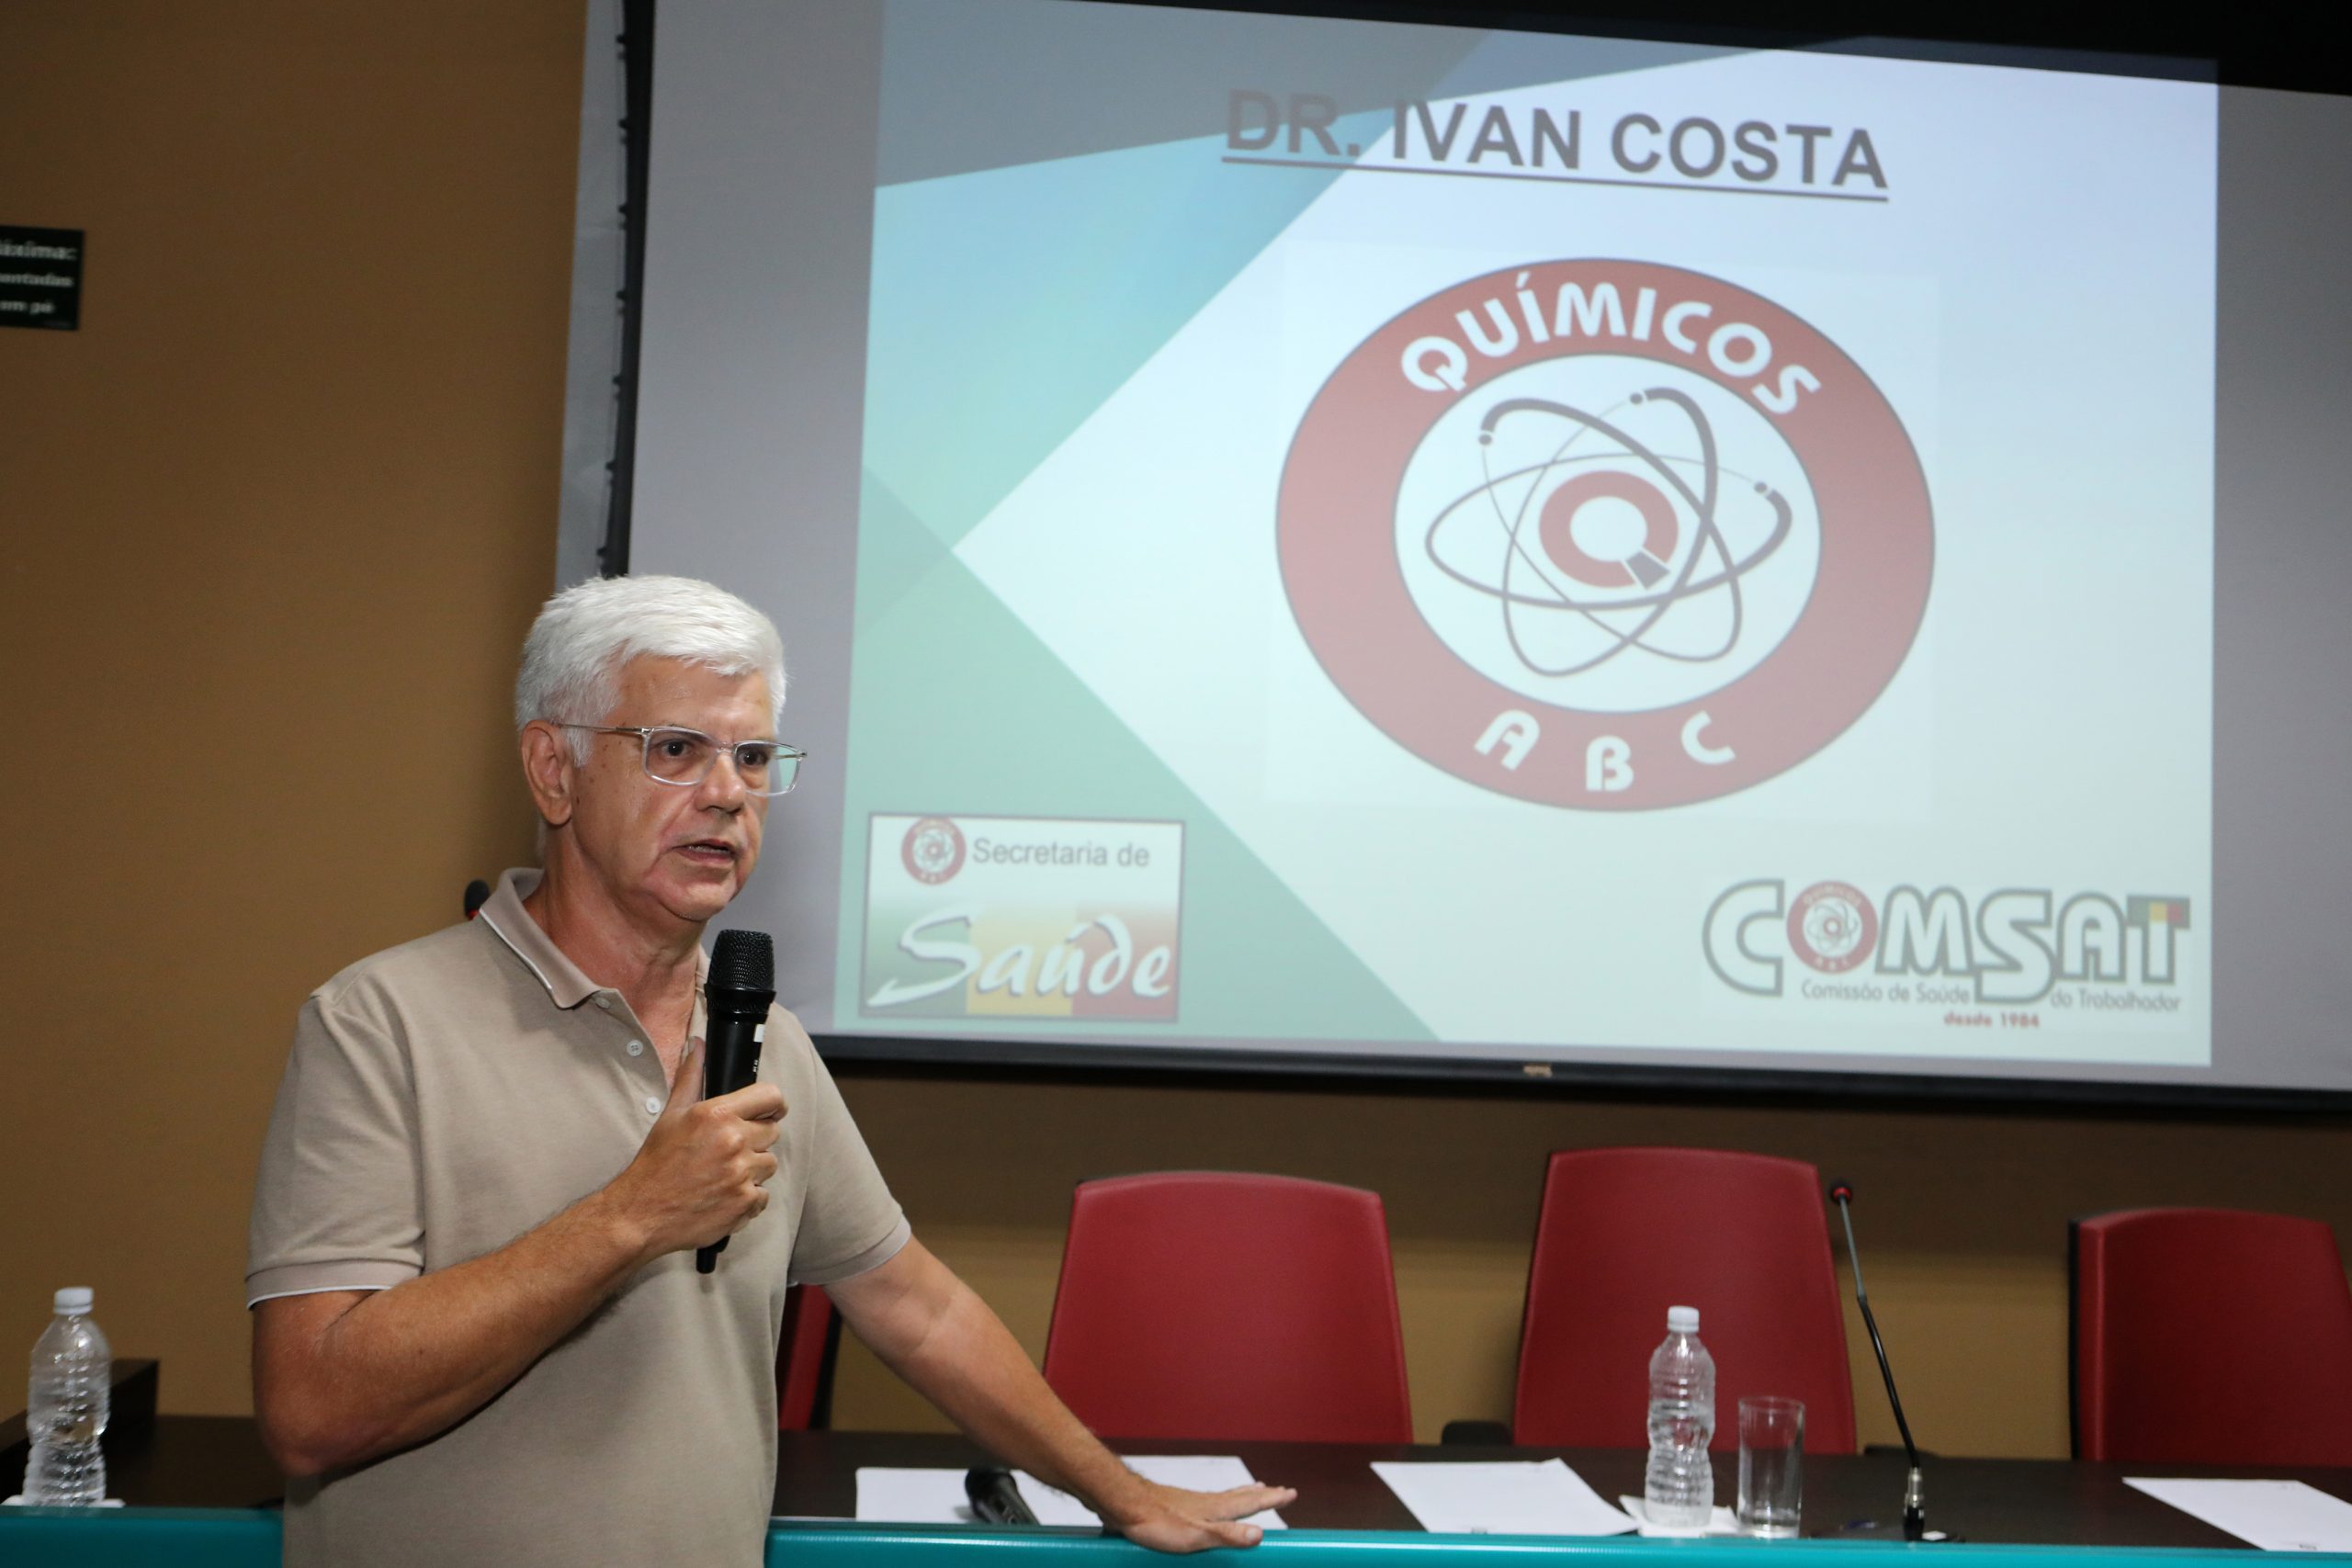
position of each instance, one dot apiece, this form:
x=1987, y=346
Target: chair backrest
x=2209, y=1337
x=1200, y=1304
x=1625, y=1234
x=804, y=1360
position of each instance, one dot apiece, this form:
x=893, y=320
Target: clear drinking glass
x=1771, y=1465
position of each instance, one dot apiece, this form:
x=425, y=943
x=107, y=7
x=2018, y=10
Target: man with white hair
x=479, y=1334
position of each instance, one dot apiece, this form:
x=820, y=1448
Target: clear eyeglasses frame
x=675, y=755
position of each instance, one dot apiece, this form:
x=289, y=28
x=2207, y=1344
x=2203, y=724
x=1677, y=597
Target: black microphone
x=477, y=895
x=1915, y=1504
x=995, y=1496
x=737, y=994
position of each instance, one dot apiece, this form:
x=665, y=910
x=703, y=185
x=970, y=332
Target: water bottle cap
x=1682, y=1320
x=73, y=1300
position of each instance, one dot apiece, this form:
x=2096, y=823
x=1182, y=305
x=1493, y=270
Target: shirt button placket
x=636, y=1051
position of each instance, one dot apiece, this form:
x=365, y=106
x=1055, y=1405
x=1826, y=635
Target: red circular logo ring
x=1335, y=537
x=932, y=850
x=1832, y=926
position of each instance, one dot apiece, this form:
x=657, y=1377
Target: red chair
x=1230, y=1308
x=2209, y=1337
x=804, y=1360
x=1625, y=1234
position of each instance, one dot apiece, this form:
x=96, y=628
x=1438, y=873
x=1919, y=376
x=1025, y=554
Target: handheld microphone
x=1914, y=1506
x=737, y=994
x=995, y=1496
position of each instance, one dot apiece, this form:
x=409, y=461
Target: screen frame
x=2226, y=56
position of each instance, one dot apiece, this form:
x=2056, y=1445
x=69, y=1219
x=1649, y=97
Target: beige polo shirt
x=447, y=1096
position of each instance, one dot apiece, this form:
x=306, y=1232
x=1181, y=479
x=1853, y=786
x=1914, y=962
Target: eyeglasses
x=684, y=756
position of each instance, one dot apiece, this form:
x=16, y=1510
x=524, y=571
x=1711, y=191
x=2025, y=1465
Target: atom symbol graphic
x=1833, y=927
x=932, y=850
x=1593, y=537
x=934, y=853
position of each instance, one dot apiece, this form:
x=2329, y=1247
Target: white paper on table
x=931, y=1496
x=890, y=1495
x=1501, y=1498
x=2276, y=1516
x=1202, y=1472
x=1720, y=1520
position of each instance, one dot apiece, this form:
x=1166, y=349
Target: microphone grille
x=744, y=960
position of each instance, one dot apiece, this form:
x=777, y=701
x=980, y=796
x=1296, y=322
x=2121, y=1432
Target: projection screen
x=1304, y=542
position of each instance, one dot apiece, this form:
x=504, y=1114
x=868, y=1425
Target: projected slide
x=1548, y=544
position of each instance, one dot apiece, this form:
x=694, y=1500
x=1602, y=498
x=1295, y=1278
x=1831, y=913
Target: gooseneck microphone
x=1915, y=1504
x=737, y=994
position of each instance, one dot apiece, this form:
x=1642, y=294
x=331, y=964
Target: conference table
x=203, y=1494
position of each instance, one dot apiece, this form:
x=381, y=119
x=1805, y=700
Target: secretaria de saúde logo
x=1605, y=534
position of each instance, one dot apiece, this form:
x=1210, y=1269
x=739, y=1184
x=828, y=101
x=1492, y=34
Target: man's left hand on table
x=1169, y=1518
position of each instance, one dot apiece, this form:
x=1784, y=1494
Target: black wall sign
x=41, y=277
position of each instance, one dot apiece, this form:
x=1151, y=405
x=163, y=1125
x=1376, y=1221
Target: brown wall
x=271, y=525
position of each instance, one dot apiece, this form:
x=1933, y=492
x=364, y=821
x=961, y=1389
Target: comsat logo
x=1605, y=534
x=2013, y=945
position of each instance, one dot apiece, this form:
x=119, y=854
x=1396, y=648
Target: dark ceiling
x=2303, y=47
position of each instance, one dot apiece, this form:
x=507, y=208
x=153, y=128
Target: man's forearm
x=930, y=1329
x=969, y=1365
x=407, y=1363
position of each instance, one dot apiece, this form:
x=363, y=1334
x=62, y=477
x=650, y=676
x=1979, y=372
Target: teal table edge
x=249, y=1537
x=138, y=1538
x=795, y=1543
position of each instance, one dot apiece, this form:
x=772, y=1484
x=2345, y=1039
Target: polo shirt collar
x=503, y=913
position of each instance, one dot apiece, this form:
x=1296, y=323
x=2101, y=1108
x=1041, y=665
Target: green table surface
x=248, y=1538
x=203, y=1496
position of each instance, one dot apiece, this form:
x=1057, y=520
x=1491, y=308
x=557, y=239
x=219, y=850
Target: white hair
x=573, y=657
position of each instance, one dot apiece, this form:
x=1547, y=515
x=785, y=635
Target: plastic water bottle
x=72, y=1386
x=1679, y=1493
